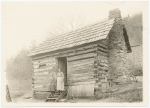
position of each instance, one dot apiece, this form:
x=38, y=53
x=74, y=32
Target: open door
x=62, y=64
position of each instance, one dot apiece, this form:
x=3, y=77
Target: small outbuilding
x=86, y=56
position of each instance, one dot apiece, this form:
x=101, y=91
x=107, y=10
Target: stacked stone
x=117, y=48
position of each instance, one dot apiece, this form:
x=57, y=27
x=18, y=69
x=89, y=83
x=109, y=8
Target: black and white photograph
x=74, y=53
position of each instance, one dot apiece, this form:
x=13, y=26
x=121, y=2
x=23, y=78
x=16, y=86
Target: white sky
x=22, y=22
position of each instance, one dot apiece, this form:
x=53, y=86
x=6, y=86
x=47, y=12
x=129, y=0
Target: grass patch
x=133, y=95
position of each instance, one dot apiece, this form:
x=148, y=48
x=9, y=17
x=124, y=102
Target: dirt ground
x=27, y=97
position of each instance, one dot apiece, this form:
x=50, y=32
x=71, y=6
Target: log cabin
x=86, y=56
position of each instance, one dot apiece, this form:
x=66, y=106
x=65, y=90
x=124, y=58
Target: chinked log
x=84, y=56
x=45, y=69
x=45, y=60
x=81, y=67
x=102, y=46
x=81, y=74
x=102, y=72
x=103, y=68
x=81, y=61
x=84, y=70
x=80, y=77
x=41, y=73
x=44, y=65
x=72, y=70
x=80, y=64
x=77, y=52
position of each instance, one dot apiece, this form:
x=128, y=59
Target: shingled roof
x=78, y=37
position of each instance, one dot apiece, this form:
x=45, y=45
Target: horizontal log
x=77, y=52
x=81, y=76
x=81, y=61
x=88, y=67
x=40, y=77
x=81, y=56
x=102, y=72
x=81, y=64
x=101, y=57
x=102, y=50
x=42, y=73
x=36, y=66
x=103, y=68
x=41, y=89
x=84, y=79
x=84, y=70
x=102, y=53
x=44, y=81
x=45, y=60
x=46, y=68
x=102, y=46
x=40, y=85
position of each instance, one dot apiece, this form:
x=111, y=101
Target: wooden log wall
x=81, y=73
x=42, y=69
x=85, y=70
x=102, y=62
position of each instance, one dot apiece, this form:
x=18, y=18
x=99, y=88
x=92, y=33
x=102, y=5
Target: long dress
x=60, y=81
x=52, y=84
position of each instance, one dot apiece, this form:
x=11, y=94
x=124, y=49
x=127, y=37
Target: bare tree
x=65, y=24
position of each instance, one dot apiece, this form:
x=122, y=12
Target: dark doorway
x=62, y=64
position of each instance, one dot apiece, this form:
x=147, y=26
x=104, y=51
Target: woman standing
x=60, y=81
x=52, y=84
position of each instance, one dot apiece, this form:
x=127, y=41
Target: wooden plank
x=81, y=56
x=61, y=96
x=83, y=83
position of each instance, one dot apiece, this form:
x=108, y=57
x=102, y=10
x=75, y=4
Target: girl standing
x=60, y=81
x=52, y=84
